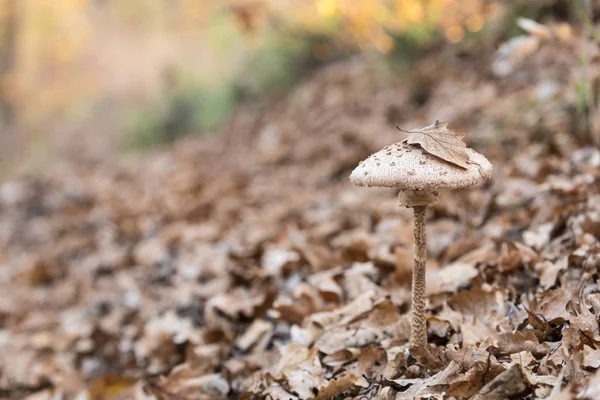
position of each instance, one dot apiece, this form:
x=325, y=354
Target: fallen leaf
x=511, y=343
x=334, y=387
x=341, y=357
x=487, y=306
x=419, y=387
x=507, y=385
x=467, y=384
x=302, y=369
x=259, y=332
x=534, y=28
x=550, y=305
x=592, y=390
x=512, y=52
x=450, y=278
x=373, y=358
x=109, y=386
x=380, y=323
x=591, y=357
x=441, y=142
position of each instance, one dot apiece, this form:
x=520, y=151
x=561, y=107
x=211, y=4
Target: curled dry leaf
x=534, y=28
x=467, y=384
x=486, y=306
x=480, y=366
x=441, y=142
x=528, y=363
x=435, y=384
x=340, y=357
x=258, y=333
x=345, y=314
x=549, y=271
x=450, y=278
x=507, y=385
x=511, y=343
x=302, y=370
x=511, y=53
x=184, y=380
x=474, y=332
x=335, y=387
x=379, y=324
x=551, y=305
x=372, y=361
x=274, y=260
x=591, y=357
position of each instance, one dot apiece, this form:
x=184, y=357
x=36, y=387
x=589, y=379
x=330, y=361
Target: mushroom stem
x=418, y=328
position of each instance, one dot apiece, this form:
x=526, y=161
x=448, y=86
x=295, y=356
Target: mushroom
x=419, y=175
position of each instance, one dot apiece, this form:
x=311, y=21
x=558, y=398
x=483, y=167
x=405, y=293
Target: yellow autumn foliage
x=72, y=52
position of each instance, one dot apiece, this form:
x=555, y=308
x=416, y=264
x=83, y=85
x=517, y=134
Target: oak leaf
x=441, y=142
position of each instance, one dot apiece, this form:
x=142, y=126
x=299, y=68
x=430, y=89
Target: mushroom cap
x=405, y=166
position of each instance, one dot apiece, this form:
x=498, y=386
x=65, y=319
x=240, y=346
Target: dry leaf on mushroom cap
x=442, y=142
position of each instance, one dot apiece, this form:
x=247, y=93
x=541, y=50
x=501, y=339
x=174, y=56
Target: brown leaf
x=505, y=386
x=551, y=305
x=380, y=323
x=420, y=387
x=511, y=343
x=591, y=357
x=110, y=386
x=259, y=332
x=467, y=384
x=592, y=391
x=541, y=328
x=340, y=357
x=372, y=359
x=441, y=142
x=301, y=368
x=450, y=278
x=334, y=387
x=529, y=367
x=474, y=332
x=468, y=356
x=487, y=306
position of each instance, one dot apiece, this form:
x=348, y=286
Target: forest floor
x=246, y=265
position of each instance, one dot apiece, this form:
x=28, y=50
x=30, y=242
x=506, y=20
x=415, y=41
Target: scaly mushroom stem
x=418, y=328
x=419, y=200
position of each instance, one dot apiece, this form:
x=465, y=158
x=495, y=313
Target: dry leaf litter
x=247, y=266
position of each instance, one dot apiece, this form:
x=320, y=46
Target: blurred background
x=173, y=170
x=95, y=77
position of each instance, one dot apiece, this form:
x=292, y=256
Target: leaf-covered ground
x=246, y=265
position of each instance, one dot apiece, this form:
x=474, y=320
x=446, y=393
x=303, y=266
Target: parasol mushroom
x=419, y=174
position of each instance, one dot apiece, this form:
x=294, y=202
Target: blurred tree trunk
x=8, y=48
